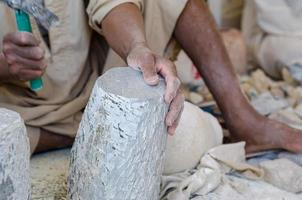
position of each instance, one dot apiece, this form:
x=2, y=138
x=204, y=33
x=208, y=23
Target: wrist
x=136, y=45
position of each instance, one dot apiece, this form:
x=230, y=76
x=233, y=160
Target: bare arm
x=124, y=29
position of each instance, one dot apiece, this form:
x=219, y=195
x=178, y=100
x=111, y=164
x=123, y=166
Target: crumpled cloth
x=281, y=169
x=222, y=173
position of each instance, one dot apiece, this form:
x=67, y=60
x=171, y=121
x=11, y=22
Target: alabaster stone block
x=14, y=157
x=119, y=150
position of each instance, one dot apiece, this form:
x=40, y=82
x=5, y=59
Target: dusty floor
x=49, y=174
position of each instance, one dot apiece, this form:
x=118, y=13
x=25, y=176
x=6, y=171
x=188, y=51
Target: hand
x=24, y=56
x=142, y=58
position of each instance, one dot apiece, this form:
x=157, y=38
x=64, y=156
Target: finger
x=21, y=39
x=175, y=109
x=25, y=63
x=28, y=74
x=168, y=70
x=149, y=70
x=29, y=52
x=172, y=129
x=146, y=63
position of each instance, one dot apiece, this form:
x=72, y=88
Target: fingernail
x=171, y=131
x=169, y=122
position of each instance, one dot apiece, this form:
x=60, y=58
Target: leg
x=51, y=141
x=41, y=141
x=196, y=32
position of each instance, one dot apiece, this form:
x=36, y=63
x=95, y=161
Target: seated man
x=273, y=30
x=139, y=32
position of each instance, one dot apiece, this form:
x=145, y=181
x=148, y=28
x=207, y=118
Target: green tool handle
x=23, y=23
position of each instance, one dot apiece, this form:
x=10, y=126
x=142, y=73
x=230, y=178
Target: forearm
x=123, y=28
x=196, y=31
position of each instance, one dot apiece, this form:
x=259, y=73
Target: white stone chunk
x=14, y=157
x=119, y=149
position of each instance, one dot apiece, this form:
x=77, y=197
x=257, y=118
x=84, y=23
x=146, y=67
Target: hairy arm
x=123, y=29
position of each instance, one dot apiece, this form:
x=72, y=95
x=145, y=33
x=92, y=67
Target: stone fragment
x=266, y=104
x=205, y=93
x=195, y=98
x=261, y=82
x=287, y=77
x=298, y=110
x=119, y=149
x=14, y=157
x=289, y=117
x=196, y=133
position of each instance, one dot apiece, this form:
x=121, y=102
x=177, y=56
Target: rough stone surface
x=14, y=157
x=119, y=149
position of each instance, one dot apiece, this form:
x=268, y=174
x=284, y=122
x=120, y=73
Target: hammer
x=41, y=14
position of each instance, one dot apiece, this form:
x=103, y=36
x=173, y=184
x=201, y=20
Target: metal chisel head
x=34, y=8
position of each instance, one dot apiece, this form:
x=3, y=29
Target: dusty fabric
x=209, y=174
x=273, y=31
x=197, y=132
x=227, y=13
x=74, y=64
x=284, y=174
x=223, y=173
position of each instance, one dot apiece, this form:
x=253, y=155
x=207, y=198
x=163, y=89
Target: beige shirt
x=74, y=63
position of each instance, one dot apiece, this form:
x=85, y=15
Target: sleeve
x=97, y=10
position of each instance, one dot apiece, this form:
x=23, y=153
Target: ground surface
x=49, y=174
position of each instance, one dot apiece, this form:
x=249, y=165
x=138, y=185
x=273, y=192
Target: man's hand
x=24, y=56
x=123, y=28
x=142, y=58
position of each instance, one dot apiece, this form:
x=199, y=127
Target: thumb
x=145, y=62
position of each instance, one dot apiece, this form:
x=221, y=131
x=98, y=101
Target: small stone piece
x=266, y=104
x=195, y=98
x=14, y=157
x=119, y=149
x=197, y=132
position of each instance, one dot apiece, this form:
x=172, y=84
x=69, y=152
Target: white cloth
x=224, y=174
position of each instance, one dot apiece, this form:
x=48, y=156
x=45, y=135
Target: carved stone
x=14, y=157
x=119, y=149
